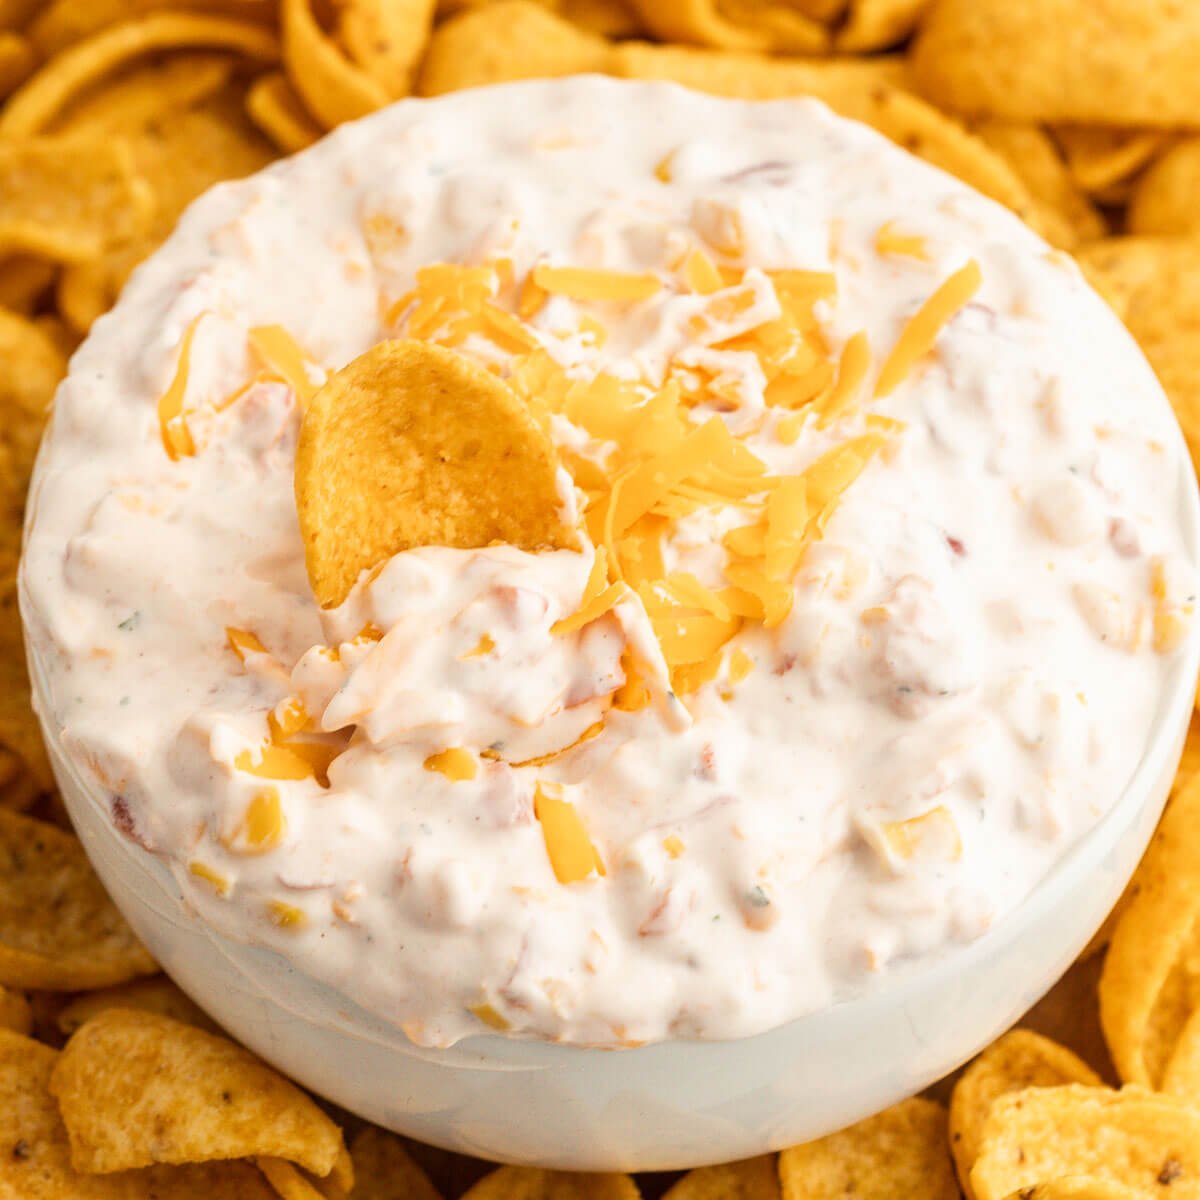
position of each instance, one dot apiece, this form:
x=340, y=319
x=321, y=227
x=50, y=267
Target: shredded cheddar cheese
x=482, y=648
x=242, y=642
x=278, y=352
x=265, y=824
x=852, y=371
x=176, y=437
x=458, y=765
x=581, y=283
x=287, y=719
x=700, y=274
x=286, y=916
x=740, y=665
x=662, y=465
x=489, y=1016
x=907, y=838
x=289, y=762
x=572, y=856
x=920, y=334
x=890, y=241
x=212, y=877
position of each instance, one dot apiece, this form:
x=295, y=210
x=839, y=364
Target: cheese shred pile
x=658, y=464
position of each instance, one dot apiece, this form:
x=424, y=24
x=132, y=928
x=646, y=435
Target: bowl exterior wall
x=669, y=1105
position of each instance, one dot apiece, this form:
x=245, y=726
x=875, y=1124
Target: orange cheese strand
x=686, y=636
x=921, y=332
x=242, y=642
x=286, y=916
x=762, y=599
x=532, y=298
x=740, y=665
x=213, y=878
x=650, y=482
x=458, y=765
x=265, y=825
x=803, y=288
x=593, y=610
x=581, y=283
x=287, y=718
x=483, y=647
x=889, y=241
x=489, y=1016
x=837, y=469
x=852, y=370
x=176, y=437
x=633, y=695
x=641, y=551
x=689, y=591
x=294, y=761
x=465, y=288
x=278, y=352
x=787, y=528
x=691, y=678
x=572, y=856
x=700, y=274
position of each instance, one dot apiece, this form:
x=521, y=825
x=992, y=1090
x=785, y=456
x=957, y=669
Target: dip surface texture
x=796, y=756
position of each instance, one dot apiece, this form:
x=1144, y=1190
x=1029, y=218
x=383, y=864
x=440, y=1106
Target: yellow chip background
x=1081, y=116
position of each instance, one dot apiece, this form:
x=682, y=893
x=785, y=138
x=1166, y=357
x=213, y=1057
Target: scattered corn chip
x=69, y=199
x=274, y=106
x=386, y=38
x=144, y=94
x=1069, y=1014
x=1141, y=1015
x=608, y=18
x=333, y=88
x=1166, y=200
x=62, y=23
x=15, y=1012
x=1101, y=157
x=879, y=24
x=529, y=1183
x=289, y=1182
x=735, y=25
x=1132, y=1137
x=1018, y=1060
x=1079, y=1188
x=1062, y=60
x=513, y=39
x=24, y=280
x=58, y=929
x=36, y=105
x=383, y=1169
x=1181, y=1076
x=1065, y=215
x=155, y=995
x=751, y=1179
x=901, y=1153
x=35, y=1163
x=136, y=1088
x=16, y=62
x=199, y=146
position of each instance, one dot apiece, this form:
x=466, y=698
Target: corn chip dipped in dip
x=597, y=562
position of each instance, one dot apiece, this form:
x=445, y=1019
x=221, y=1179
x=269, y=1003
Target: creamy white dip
x=962, y=686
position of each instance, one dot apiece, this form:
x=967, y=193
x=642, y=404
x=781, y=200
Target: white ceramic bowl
x=674, y=1104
